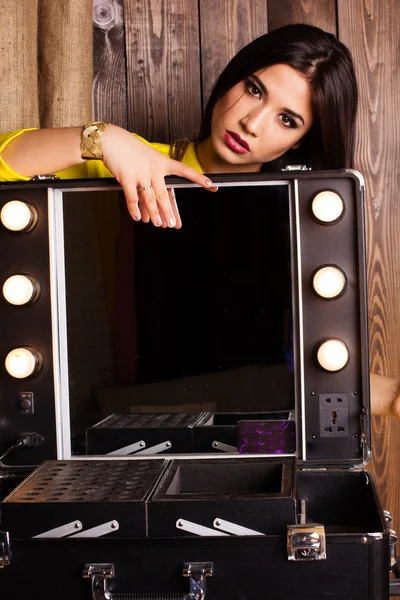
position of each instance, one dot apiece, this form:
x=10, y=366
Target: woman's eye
x=287, y=121
x=253, y=89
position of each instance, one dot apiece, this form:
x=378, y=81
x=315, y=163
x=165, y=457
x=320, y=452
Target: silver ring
x=144, y=188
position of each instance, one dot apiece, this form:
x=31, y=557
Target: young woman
x=289, y=97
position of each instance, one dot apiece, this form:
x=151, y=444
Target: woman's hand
x=140, y=169
x=385, y=396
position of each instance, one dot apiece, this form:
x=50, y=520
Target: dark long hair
x=328, y=65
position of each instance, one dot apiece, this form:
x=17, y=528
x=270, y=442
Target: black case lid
x=333, y=406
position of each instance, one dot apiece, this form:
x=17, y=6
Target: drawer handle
x=196, y=572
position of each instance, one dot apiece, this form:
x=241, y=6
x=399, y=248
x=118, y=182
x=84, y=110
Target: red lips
x=236, y=143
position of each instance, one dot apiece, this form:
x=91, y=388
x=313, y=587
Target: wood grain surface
x=163, y=58
x=321, y=13
x=109, y=64
x=226, y=26
x=370, y=29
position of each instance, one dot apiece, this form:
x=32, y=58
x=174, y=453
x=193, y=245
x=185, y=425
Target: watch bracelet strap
x=91, y=140
x=178, y=149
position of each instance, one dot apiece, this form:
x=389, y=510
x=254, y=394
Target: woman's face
x=257, y=121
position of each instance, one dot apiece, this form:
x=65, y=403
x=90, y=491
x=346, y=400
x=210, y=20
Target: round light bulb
x=22, y=362
x=333, y=355
x=20, y=289
x=327, y=206
x=17, y=216
x=329, y=282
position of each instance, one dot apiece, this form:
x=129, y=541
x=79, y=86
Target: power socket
x=31, y=440
x=334, y=415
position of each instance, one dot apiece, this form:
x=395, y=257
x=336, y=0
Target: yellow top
x=90, y=168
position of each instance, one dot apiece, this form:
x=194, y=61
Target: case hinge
x=306, y=542
x=223, y=447
x=5, y=549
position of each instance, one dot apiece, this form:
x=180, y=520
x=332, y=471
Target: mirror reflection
x=180, y=340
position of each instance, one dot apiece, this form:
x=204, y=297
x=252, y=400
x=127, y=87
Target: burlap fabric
x=46, y=63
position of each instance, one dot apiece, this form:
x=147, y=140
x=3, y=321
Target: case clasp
x=306, y=542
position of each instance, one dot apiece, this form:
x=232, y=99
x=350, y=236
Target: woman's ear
x=296, y=146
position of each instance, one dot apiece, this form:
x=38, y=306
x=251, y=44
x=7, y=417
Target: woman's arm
x=43, y=151
x=385, y=396
x=139, y=168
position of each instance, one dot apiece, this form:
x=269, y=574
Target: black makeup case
x=253, y=350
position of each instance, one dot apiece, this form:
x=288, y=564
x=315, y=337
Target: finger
x=145, y=214
x=182, y=170
x=148, y=199
x=132, y=201
x=163, y=201
x=172, y=199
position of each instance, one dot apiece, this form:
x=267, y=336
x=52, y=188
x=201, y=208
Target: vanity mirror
x=218, y=337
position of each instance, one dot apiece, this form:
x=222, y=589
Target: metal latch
x=5, y=549
x=306, y=542
x=98, y=573
x=197, y=573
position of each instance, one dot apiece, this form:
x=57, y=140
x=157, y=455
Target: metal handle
x=161, y=596
x=196, y=572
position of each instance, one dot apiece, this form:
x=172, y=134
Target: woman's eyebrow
x=259, y=83
x=294, y=114
x=285, y=109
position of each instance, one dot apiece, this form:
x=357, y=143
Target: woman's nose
x=254, y=121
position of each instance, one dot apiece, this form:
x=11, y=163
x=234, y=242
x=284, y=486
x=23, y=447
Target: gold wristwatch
x=91, y=140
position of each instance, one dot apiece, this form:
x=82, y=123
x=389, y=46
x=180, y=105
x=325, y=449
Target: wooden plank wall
x=155, y=64
x=370, y=28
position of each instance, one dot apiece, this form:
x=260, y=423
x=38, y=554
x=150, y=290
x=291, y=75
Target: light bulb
x=17, y=216
x=23, y=362
x=327, y=206
x=333, y=355
x=329, y=282
x=20, y=289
